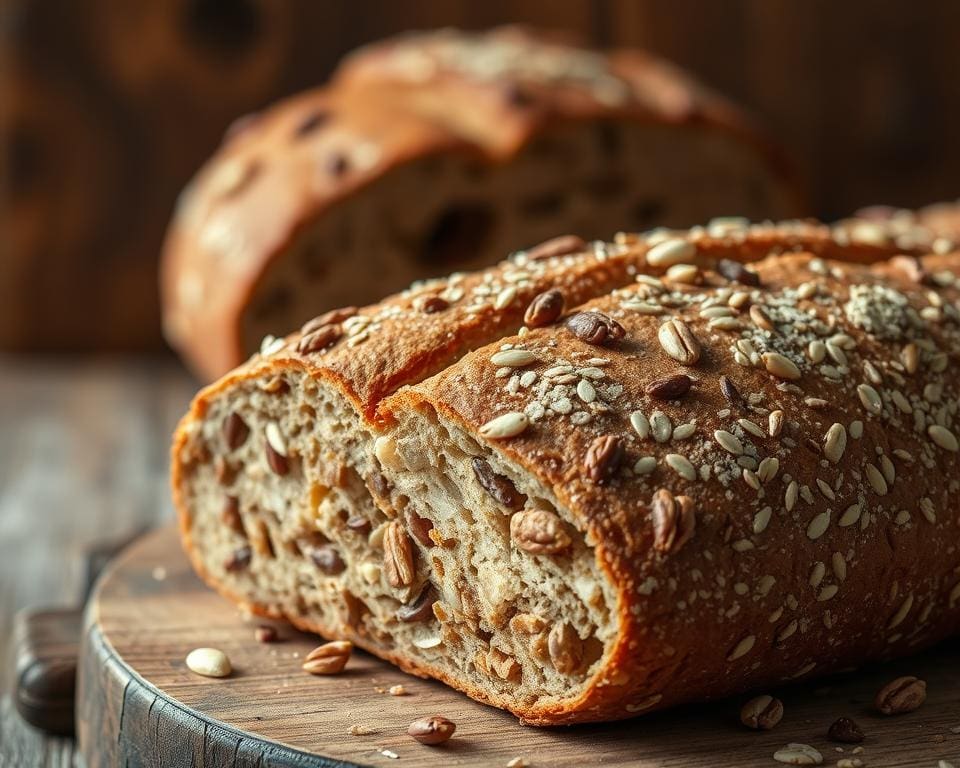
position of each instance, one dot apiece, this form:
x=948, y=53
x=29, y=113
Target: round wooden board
x=138, y=704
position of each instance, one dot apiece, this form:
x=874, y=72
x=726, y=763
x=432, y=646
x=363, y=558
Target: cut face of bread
x=394, y=172
x=679, y=489
x=457, y=211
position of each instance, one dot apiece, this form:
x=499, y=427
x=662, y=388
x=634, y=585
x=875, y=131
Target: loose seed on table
x=432, y=730
x=762, y=713
x=846, y=731
x=209, y=662
x=329, y=658
x=905, y=694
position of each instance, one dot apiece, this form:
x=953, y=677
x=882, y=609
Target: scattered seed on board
x=209, y=662
x=762, y=713
x=432, y=730
x=905, y=694
x=329, y=658
x=845, y=731
x=798, y=754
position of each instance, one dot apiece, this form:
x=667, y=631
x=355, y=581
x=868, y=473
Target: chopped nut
x=545, y=309
x=736, y=272
x=905, y=694
x=235, y=431
x=604, y=457
x=397, y=555
x=433, y=304
x=327, y=559
x=432, y=730
x=239, y=559
x=846, y=731
x=566, y=648
x=673, y=520
x=499, y=487
x=329, y=658
x=328, y=318
x=319, y=340
x=762, y=713
x=595, y=327
x=421, y=609
x=265, y=634
x=669, y=387
x=539, y=532
x=557, y=246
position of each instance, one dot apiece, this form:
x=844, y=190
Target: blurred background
x=109, y=106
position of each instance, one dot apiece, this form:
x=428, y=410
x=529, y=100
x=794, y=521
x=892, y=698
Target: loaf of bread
x=597, y=480
x=437, y=152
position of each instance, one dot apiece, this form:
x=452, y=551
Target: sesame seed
x=742, y=648
x=850, y=516
x=670, y=252
x=762, y=519
x=835, y=443
x=681, y=465
x=927, y=508
x=901, y=613
x=505, y=297
x=856, y=429
x=645, y=465
x=661, y=427
x=790, y=497
x=839, y=566
x=780, y=366
x=901, y=401
x=728, y=442
x=826, y=490
x=787, y=631
x=876, y=480
x=943, y=437
x=817, y=573
x=586, y=391
x=818, y=526
x=775, y=422
x=640, y=424
x=768, y=469
x=827, y=593
x=513, y=358
x=870, y=398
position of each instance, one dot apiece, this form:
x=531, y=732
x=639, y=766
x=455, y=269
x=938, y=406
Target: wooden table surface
x=83, y=459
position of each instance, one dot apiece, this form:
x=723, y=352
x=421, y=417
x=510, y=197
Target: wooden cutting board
x=138, y=704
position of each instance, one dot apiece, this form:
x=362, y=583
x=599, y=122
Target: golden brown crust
x=404, y=344
x=389, y=104
x=774, y=584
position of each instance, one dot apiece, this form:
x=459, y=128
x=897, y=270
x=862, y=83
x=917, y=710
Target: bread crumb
x=398, y=690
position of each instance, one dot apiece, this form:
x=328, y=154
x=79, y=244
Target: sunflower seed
x=678, y=341
x=943, y=437
x=780, y=366
x=835, y=443
x=681, y=465
x=505, y=426
x=728, y=442
x=870, y=398
x=671, y=252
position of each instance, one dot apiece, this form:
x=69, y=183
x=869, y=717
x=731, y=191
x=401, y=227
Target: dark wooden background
x=108, y=106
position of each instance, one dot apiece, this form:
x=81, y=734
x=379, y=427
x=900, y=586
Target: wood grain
x=83, y=459
x=138, y=698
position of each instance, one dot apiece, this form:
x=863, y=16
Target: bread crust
x=645, y=669
x=389, y=104
x=675, y=644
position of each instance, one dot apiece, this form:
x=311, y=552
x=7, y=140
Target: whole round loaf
x=441, y=151
x=730, y=461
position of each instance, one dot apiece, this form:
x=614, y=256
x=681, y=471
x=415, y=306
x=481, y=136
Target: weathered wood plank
x=83, y=460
